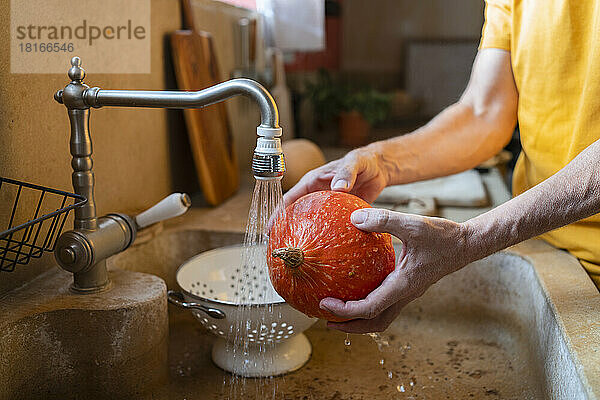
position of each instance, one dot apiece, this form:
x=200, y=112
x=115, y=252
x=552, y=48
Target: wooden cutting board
x=208, y=128
x=460, y=190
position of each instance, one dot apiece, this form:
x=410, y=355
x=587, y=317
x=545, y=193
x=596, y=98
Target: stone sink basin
x=521, y=324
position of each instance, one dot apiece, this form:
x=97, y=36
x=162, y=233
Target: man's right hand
x=359, y=172
x=464, y=135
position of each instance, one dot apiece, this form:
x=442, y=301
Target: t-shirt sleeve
x=497, y=27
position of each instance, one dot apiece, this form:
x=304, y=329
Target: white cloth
x=294, y=25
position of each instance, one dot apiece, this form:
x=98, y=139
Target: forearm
x=573, y=193
x=456, y=140
x=465, y=134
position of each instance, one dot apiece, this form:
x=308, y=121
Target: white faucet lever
x=171, y=206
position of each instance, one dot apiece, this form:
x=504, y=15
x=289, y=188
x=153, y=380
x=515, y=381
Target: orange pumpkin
x=315, y=252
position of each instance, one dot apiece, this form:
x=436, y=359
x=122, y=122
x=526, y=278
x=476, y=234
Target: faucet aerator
x=268, y=161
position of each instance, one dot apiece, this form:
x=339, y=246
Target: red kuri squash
x=315, y=252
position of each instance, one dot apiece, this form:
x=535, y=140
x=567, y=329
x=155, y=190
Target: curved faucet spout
x=89, y=267
x=96, y=97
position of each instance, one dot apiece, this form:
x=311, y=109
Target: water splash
x=251, y=293
x=382, y=343
x=347, y=341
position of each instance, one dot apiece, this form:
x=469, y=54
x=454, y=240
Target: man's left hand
x=432, y=248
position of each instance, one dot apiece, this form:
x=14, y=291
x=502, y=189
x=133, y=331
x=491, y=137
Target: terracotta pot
x=354, y=129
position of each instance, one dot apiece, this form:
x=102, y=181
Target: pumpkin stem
x=292, y=256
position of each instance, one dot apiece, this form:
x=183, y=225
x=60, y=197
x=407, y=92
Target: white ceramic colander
x=214, y=285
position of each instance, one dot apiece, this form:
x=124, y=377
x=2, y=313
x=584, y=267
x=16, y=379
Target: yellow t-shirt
x=555, y=56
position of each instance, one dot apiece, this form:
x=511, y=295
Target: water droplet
x=400, y=388
x=382, y=361
x=347, y=342
x=390, y=374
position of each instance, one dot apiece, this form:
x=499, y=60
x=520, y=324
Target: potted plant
x=357, y=108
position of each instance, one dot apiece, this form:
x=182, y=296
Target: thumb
x=345, y=177
x=380, y=220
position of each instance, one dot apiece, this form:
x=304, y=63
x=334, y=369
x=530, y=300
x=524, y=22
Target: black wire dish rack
x=32, y=218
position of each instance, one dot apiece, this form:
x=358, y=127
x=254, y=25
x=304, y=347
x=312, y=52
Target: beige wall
x=133, y=149
x=140, y=155
x=374, y=31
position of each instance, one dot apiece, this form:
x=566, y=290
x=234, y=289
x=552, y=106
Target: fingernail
x=340, y=184
x=358, y=217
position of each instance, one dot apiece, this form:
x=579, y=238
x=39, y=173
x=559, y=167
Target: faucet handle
x=171, y=206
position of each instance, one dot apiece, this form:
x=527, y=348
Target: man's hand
x=360, y=172
x=432, y=248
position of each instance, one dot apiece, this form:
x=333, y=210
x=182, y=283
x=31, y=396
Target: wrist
x=381, y=158
x=480, y=238
x=471, y=241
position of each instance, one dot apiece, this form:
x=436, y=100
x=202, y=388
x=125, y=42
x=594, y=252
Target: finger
x=379, y=324
x=381, y=220
x=308, y=184
x=388, y=293
x=368, y=190
x=346, y=173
